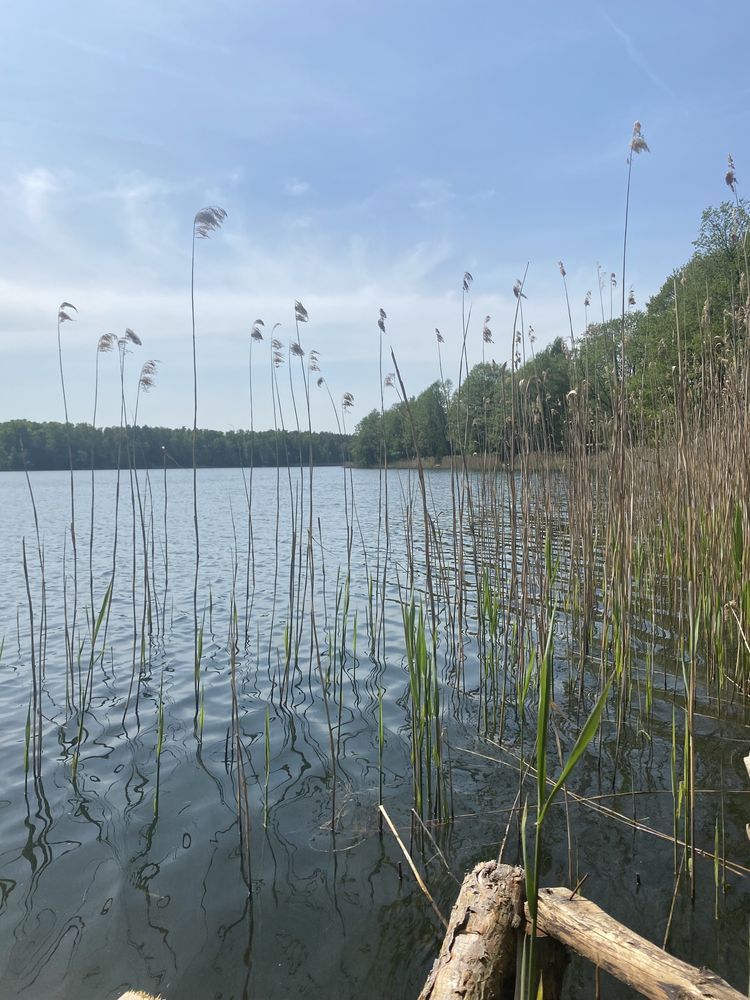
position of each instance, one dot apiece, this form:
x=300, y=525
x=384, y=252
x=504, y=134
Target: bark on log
x=478, y=956
x=584, y=927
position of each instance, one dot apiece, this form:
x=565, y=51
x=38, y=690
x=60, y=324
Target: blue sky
x=367, y=155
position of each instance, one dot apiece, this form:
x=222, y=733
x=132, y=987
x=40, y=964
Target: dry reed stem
x=417, y=876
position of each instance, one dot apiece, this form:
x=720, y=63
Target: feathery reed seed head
x=468, y=278
x=63, y=315
x=148, y=375
x=106, y=343
x=731, y=177
x=207, y=221
x=638, y=144
x=300, y=313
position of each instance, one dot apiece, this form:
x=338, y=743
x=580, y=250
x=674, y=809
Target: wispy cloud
x=487, y=194
x=433, y=192
x=35, y=188
x=637, y=56
x=296, y=188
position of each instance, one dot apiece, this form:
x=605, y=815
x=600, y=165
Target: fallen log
x=478, y=956
x=588, y=930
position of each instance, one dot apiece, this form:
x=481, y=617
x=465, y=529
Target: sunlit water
x=101, y=890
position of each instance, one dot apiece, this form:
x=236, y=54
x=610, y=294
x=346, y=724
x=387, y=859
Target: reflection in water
x=101, y=890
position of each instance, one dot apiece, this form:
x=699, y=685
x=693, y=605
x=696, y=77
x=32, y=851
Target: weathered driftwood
x=584, y=927
x=138, y=995
x=478, y=956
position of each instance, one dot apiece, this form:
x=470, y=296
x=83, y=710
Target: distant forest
x=28, y=445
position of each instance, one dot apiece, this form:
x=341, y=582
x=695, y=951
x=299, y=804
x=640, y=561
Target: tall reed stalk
x=64, y=316
x=206, y=222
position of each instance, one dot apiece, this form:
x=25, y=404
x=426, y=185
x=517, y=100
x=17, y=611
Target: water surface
x=106, y=884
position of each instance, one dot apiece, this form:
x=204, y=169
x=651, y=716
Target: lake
x=129, y=859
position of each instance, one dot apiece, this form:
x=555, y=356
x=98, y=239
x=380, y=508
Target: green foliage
x=479, y=408
x=723, y=230
x=431, y=422
x=391, y=431
x=366, y=448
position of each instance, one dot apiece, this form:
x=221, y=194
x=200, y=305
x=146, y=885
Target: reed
x=159, y=744
x=206, y=222
x=64, y=316
x=256, y=336
x=105, y=345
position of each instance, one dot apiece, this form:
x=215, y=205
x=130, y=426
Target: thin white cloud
x=35, y=188
x=136, y=187
x=433, y=192
x=296, y=188
x=637, y=56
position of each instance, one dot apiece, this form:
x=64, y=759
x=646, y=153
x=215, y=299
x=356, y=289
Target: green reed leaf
x=585, y=737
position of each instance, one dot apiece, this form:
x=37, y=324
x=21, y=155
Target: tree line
x=25, y=444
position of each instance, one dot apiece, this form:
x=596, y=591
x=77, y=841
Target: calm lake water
x=105, y=886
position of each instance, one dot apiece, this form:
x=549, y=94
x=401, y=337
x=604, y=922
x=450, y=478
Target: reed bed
x=588, y=587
